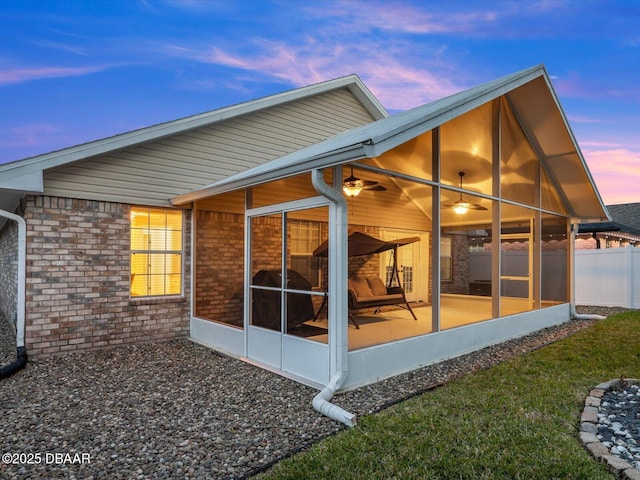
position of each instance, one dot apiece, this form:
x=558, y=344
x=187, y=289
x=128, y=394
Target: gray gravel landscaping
x=180, y=410
x=7, y=343
x=619, y=423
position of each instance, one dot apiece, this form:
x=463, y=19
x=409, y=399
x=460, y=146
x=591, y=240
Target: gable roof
x=26, y=176
x=626, y=214
x=544, y=122
x=625, y=218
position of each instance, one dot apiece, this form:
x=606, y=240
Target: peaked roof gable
x=26, y=176
x=558, y=151
x=362, y=142
x=143, y=135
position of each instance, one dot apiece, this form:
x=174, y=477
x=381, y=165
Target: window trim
x=450, y=257
x=150, y=252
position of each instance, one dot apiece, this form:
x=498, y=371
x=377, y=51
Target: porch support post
x=435, y=235
x=496, y=217
x=536, y=274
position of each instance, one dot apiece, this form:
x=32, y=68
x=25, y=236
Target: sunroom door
x=412, y=264
x=286, y=322
x=516, y=265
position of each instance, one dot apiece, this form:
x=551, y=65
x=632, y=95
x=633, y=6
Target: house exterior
x=78, y=204
x=190, y=228
x=622, y=231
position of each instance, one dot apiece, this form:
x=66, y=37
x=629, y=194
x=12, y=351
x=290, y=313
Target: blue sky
x=76, y=71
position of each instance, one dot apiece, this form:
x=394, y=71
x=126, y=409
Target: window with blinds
x=446, y=261
x=303, y=240
x=156, y=252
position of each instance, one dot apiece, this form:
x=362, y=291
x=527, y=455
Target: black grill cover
x=266, y=303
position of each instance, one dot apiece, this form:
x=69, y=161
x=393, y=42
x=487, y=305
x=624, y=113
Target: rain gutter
x=339, y=364
x=21, y=352
x=574, y=314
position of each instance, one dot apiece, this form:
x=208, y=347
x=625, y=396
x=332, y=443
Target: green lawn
x=517, y=420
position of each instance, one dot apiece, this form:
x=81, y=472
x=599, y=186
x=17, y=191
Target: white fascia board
x=25, y=183
x=370, y=102
x=13, y=189
x=155, y=132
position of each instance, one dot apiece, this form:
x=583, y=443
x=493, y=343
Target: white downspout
x=574, y=313
x=22, y=269
x=338, y=307
x=21, y=353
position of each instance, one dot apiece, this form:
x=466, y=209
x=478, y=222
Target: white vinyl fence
x=608, y=277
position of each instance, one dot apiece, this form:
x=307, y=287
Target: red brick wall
x=219, y=275
x=460, y=263
x=78, y=280
x=366, y=265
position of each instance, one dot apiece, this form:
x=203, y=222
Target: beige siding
x=388, y=209
x=155, y=172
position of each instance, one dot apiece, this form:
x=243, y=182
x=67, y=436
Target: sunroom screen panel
x=519, y=168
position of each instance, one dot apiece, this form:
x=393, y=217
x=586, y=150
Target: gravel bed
x=7, y=343
x=619, y=423
x=180, y=410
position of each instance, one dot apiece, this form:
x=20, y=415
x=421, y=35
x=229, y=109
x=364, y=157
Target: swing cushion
x=377, y=287
x=361, y=287
x=371, y=292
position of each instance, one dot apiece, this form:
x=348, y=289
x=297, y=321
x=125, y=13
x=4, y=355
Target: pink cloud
x=616, y=173
x=277, y=60
x=582, y=119
x=599, y=144
x=572, y=85
x=28, y=136
x=398, y=17
x=399, y=84
x=20, y=75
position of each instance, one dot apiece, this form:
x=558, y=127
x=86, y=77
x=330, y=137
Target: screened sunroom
x=472, y=199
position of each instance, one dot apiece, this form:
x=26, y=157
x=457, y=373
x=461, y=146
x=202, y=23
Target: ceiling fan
x=352, y=186
x=461, y=206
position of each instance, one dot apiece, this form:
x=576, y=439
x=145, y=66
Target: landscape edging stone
x=589, y=423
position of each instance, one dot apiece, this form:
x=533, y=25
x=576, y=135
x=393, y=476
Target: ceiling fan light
x=352, y=186
x=461, y=208
x=351, y=189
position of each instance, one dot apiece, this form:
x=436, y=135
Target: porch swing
x=371, y=292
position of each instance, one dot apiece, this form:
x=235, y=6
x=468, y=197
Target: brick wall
x=8, y=269
x=366, y=265
x=460, y=264
x=219, y=275
x=266, y=243
x=219, y=250
x=78, y=280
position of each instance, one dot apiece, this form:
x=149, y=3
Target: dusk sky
x=77, y=71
